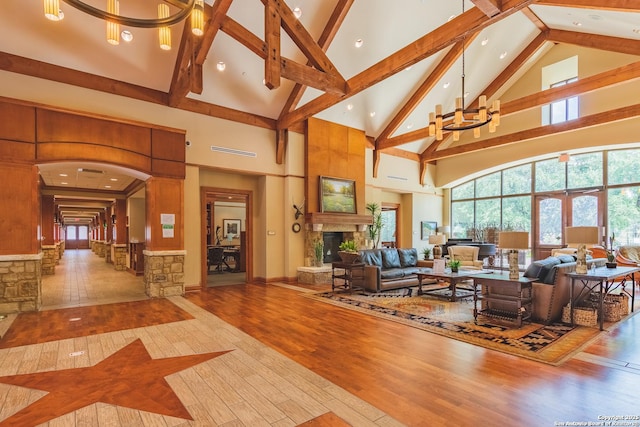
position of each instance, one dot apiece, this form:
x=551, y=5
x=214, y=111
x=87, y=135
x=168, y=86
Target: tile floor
x=249, y=385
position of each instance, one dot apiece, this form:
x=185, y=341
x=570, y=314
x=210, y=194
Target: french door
x=555, y=211
x=77, y=237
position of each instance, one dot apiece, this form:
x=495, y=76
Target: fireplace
x=332, y=240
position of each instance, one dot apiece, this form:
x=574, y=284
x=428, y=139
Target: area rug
x=552, y=344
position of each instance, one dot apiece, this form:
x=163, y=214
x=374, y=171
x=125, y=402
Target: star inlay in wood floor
x=129, y=377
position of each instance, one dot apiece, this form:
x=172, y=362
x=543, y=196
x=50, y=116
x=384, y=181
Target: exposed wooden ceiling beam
x=217, y=12
x=488, y=7
x=327, y=36
x=291, y=70
x=595, y=41
x=535, y=19
x=540, y=132
x=272, y=23
x=226, y=113
x=449, y=33
x=614, y=5
x=493, y=87
x=416, y=98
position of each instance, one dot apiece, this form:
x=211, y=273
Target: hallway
x=83, y=278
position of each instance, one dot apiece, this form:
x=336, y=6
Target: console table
x=604, y=280
x=503, y=299
x=347, y=276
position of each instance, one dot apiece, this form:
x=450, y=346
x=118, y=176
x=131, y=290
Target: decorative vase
x=454, y=269
x=612, y=265
x=349, y=257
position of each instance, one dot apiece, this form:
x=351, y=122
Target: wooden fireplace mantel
x=337, y=218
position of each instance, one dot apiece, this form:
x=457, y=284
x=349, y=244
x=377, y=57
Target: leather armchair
x=467, y=255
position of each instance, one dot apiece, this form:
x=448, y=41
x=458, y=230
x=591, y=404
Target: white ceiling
x=78, y=42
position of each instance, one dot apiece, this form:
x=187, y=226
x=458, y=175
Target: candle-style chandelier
x=186, y=8
x=464, y=118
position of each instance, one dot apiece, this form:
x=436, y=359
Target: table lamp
x=513, y=241
x=436, y=240
x=581, y=236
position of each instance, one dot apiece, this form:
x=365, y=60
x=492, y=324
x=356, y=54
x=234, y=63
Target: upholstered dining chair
x=467, y=255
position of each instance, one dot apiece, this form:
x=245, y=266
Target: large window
x=503, y=200
x=565, y=109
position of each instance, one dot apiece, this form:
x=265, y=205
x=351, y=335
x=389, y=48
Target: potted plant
x=318, y=248
x=426, y=252
x=611, y=255
x=376, y=226
x=454, y=264
x=348, y=251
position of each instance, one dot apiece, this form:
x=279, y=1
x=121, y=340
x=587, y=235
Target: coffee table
x=451, y=293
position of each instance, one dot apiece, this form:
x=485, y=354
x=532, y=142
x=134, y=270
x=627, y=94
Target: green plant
x=348, y=246
x=376, y=226
x=611, y=256
x=454, y=264
x=426, y=252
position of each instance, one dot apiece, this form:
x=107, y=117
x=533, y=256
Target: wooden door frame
x=209, y=194
x=395, y=207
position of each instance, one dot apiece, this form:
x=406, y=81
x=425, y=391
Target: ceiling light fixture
x=221, y=66
x=297, y=12
x=359, y=43
x=464, y=118
x=192, y=8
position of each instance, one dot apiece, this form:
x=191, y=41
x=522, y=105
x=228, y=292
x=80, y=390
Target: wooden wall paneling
x=121, y=221
x=168, y=145
x=58, y=126
x=168, y=169
x=164, y=196
x=17, y=151
x=65, y=151
x=19, y=210
x=17, y=122
x=48, y=211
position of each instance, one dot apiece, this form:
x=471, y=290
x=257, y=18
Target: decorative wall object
x=337, y=195
x=427, y=228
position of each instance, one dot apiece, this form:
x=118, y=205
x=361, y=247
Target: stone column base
x=120, y=257
x=164, y=273
x=49, y=259
x=20, y=283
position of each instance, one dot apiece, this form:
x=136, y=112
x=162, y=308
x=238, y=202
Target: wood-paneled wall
x=336, y=151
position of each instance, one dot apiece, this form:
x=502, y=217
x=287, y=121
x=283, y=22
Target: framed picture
x=230, y=227
x=427, y=228
x=337, y=195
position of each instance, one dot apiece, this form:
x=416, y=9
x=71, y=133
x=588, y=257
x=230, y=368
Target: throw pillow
x=408, y=257
x=390, y=258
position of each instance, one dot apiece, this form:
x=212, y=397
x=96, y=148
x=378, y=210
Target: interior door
x=554, y=212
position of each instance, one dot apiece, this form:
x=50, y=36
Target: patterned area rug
x=551, y=344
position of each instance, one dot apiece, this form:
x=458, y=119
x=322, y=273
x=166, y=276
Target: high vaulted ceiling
x=386, y=87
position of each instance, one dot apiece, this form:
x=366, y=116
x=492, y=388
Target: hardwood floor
x=424, y=379
x=292, y=361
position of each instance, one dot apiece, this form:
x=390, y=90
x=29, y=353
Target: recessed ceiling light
x=64, y=183
x=221, y=66
x=349, y=107
x=484, y=41
x=359, y=43
x=297, y=12
x=410, y=125
x=107, y=186
x=446, y=85
x=466, y=94
x=577, y=23
x=63, y=174
x=126, y=36
x=503, y=55
x=114, y=179
x=372, y=114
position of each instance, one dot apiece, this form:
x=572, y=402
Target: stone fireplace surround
x=352, y=227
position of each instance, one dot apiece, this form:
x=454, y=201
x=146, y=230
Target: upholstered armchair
x=467, y=255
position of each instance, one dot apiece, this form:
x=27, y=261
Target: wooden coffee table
x=451, y=292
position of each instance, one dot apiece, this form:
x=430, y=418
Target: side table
x=503, y=299
x=347, y=276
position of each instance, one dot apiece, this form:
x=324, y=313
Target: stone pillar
x=120, y=257
x=99, y=246
x=164, y=273
x=48, y=259
x=20, y=283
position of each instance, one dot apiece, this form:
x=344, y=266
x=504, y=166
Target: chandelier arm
x=179, y=16
x=471, y=125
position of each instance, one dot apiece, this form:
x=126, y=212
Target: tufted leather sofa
x=389, y=268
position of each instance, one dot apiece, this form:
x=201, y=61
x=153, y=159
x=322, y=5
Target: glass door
x=554, y=212
x=77, y=237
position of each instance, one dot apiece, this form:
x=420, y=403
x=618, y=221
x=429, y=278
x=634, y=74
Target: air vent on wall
x=85, y=170
x=233, y=151
x=399, y=178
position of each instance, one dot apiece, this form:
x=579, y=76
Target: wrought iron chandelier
x=464, y=118
x=186, y=8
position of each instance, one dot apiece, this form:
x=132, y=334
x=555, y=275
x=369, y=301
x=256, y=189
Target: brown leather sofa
x=551, y=291
x=389, y=268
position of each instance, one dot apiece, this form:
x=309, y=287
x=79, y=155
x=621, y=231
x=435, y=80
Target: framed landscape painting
x=427, y=229
x=231, y=227
x=337, y=195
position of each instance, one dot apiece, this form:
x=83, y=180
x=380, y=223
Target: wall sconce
x=113, y=219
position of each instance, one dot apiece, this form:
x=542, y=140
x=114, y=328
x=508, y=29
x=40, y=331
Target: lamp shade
x=581, y=235
x=513, y=240
x=437, y=239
